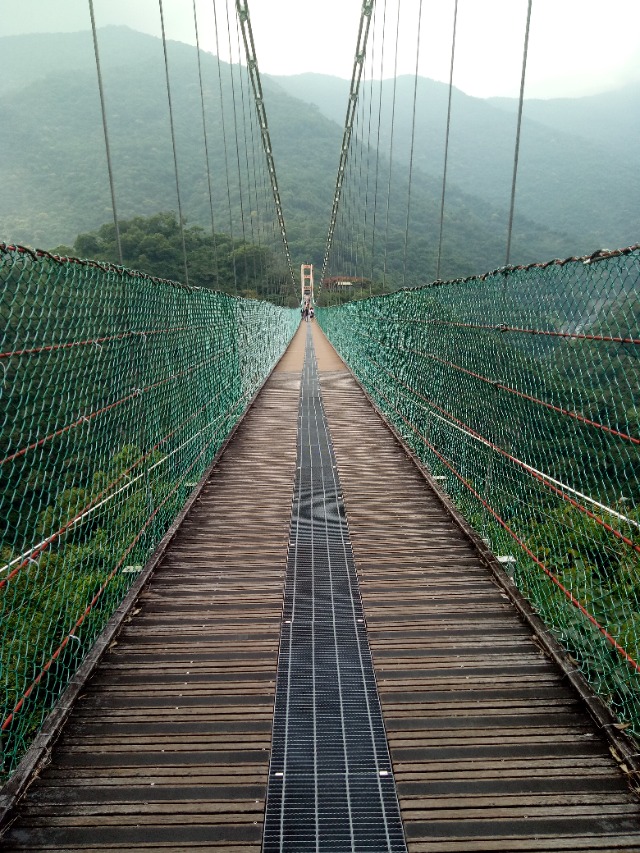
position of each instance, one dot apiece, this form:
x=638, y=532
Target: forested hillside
x=153, y=245
x=55, y=183
x=579, y=164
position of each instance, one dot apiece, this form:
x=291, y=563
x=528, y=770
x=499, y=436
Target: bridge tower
x=306, y=283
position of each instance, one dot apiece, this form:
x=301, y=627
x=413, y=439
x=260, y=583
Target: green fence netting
x=519, y=391
x=117, y=392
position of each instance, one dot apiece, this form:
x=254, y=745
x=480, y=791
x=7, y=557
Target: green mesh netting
x=519, y=391
x=117, y=392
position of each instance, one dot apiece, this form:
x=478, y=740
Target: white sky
x=577, y=47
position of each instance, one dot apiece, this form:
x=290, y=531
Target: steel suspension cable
x=206, y=144
x=375, y=191
x=106, y=132
x=173, y=143
x=224, y=144
x=360, y=124
x=254, y=171
x=446, y=141
x=242, y=7
x=363, y=176
x=368, y=169
x=235, y=129
x=413, y=136
x=352, y=206
x=246, y=153
x=361, y=48
x=519, y=124
x=350, y=203
x=391, y=132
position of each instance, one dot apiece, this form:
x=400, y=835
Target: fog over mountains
x=579, y=159
x=578, y=181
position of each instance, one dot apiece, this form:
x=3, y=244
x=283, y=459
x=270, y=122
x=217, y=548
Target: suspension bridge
x=364, y=581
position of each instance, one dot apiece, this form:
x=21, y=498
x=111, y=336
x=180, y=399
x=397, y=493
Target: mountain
x=579, y=162
x=55, y=177
x=610, y=120
x=55, y=181
x=31, y=58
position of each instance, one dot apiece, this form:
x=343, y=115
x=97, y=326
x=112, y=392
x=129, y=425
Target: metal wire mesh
x=117, y=392
x=519, y=391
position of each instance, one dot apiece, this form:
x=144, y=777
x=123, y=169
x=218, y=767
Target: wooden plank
x=491, y=749
x=168, y=745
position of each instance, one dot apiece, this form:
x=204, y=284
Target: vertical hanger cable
x=516, y=154
x=446, y=141
x=173, y=144
x=106, y=133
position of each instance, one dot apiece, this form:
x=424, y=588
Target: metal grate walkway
x=331, y=786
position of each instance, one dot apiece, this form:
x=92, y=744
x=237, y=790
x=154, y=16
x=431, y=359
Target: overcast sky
x=577, y=47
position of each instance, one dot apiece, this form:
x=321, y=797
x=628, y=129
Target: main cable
x=358, y=62
x=242, y=8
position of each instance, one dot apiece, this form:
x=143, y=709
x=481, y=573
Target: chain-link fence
x=117, y=391
x=519, y=391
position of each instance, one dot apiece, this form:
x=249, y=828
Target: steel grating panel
x=331, y=786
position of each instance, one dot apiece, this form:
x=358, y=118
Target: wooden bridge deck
x=168, y=746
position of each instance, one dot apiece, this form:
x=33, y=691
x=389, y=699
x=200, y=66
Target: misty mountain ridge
x=574, y=194
x=579, y=163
